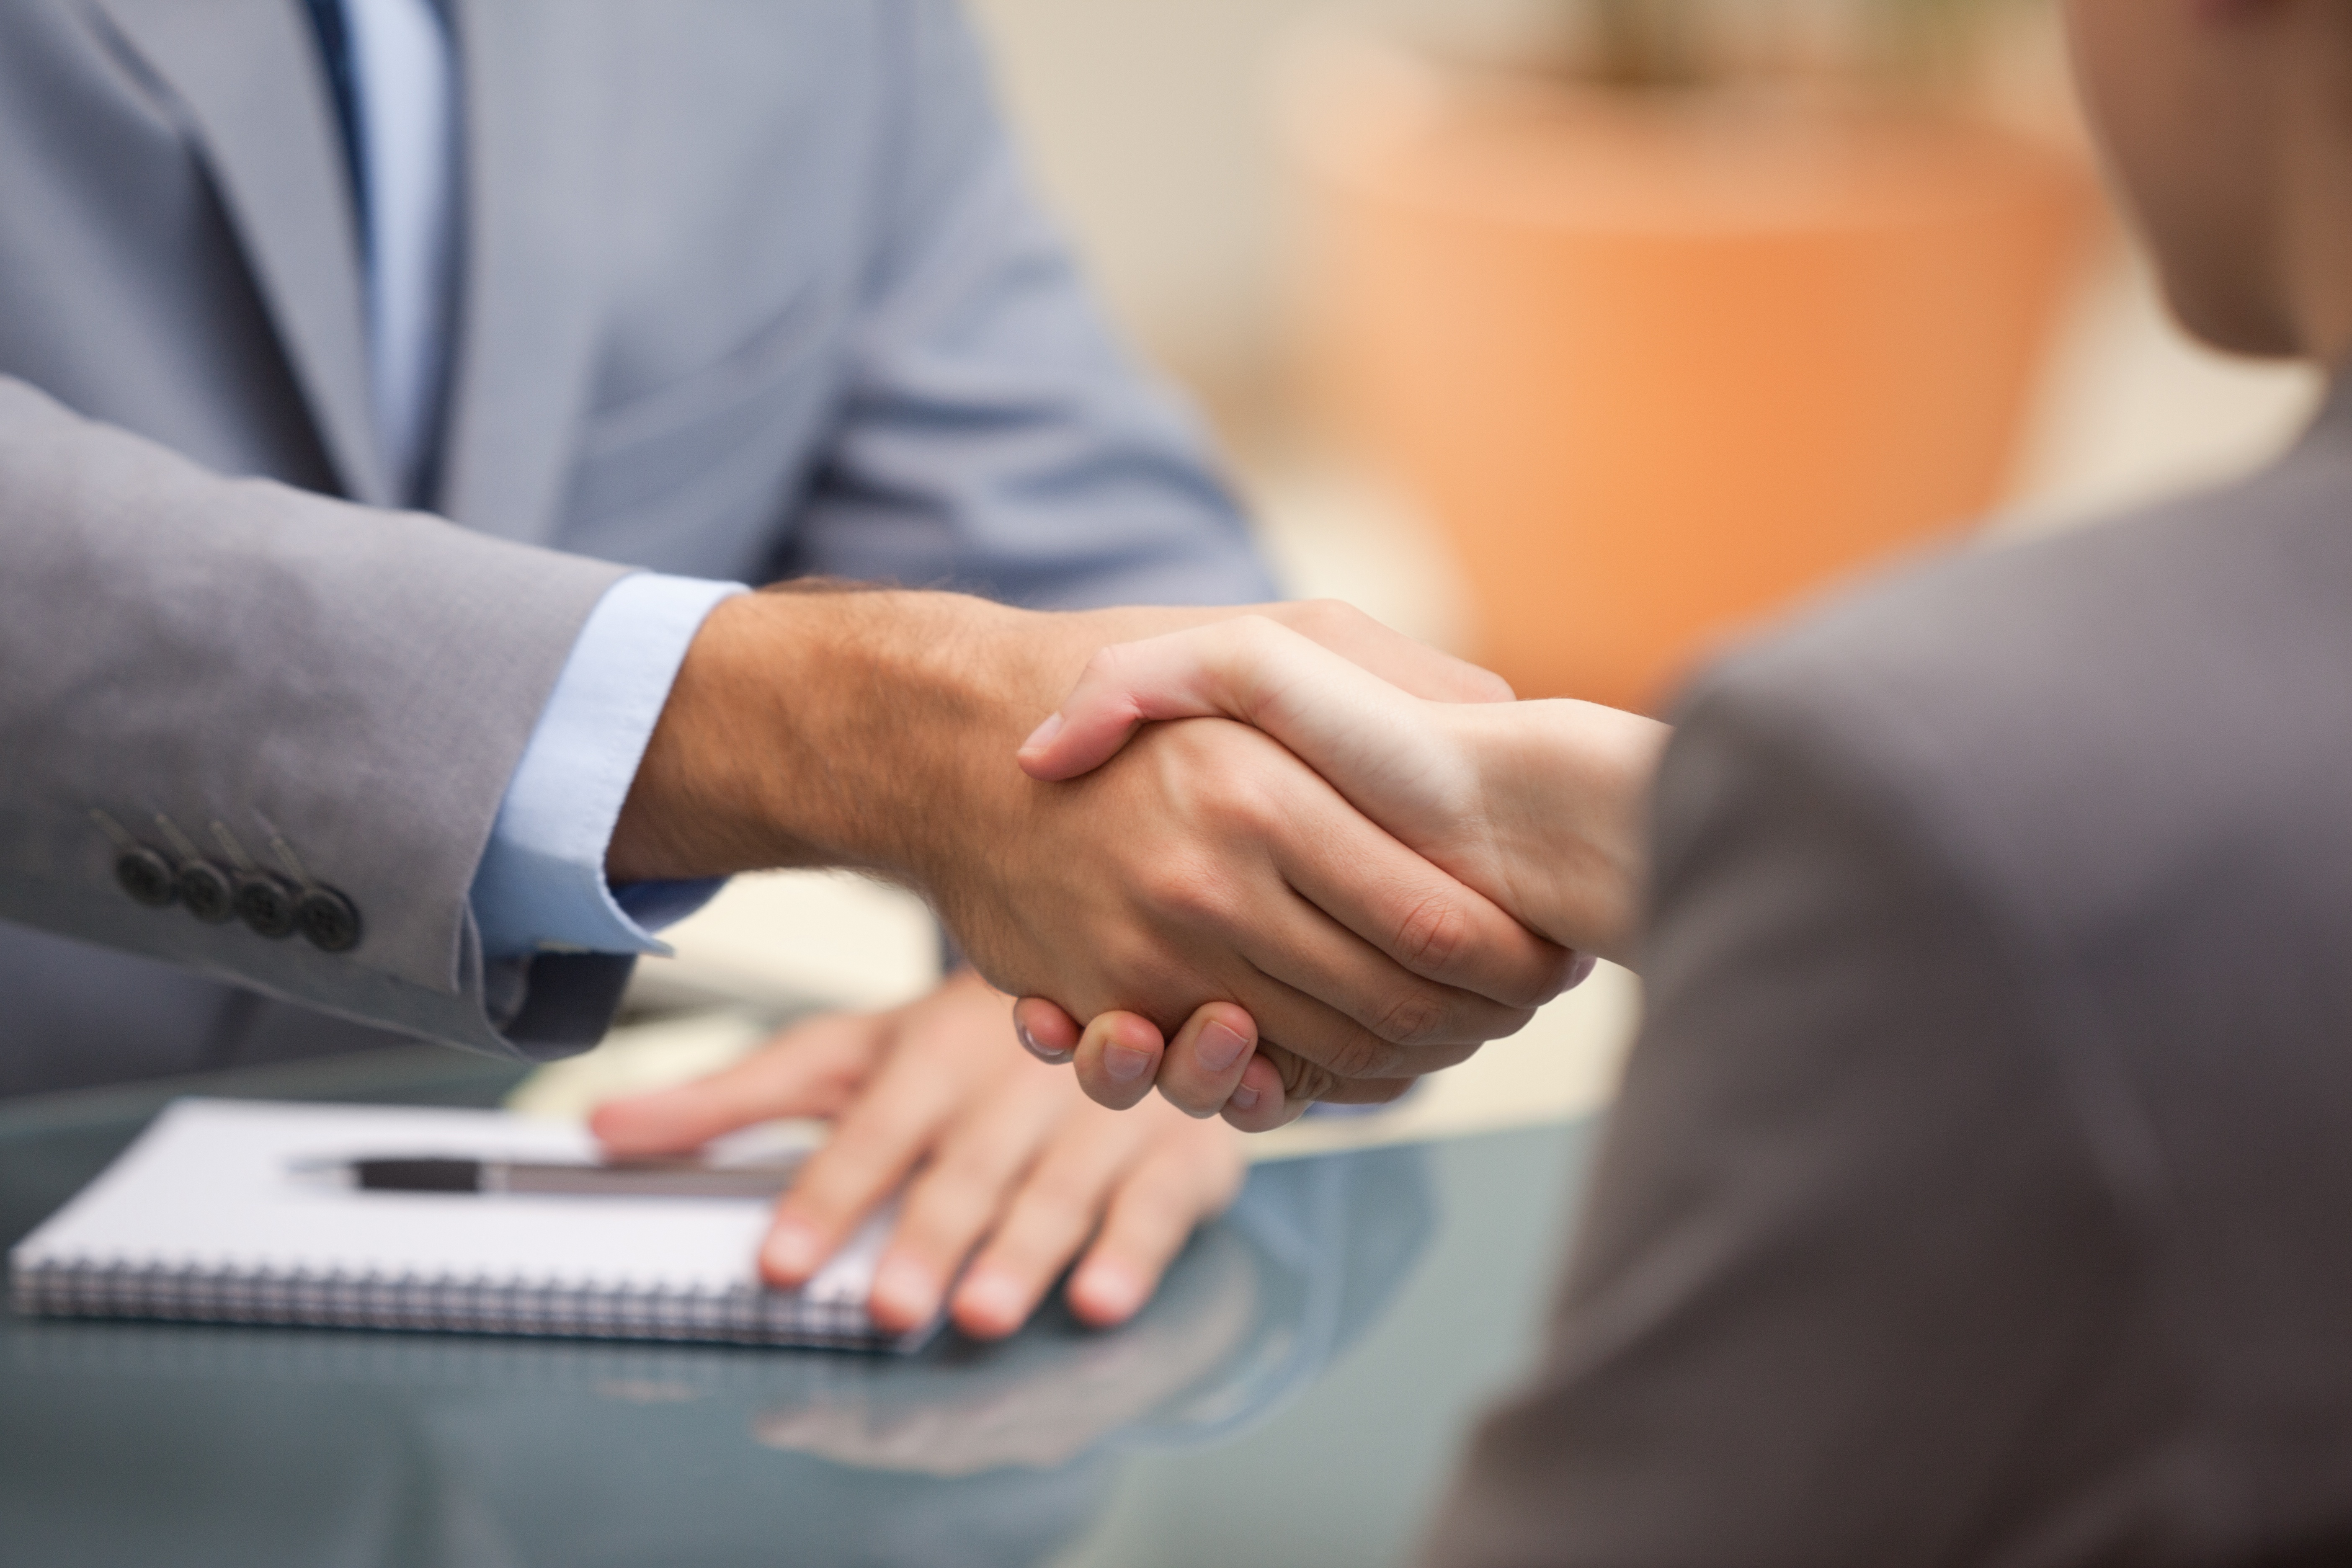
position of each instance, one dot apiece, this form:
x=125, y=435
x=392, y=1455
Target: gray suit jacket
x=748, y=291
x=1981, y=1184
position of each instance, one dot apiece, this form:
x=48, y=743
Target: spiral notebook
x=216, y=1215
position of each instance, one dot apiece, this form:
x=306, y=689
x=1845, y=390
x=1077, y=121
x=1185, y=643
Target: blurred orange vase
x=1659, y=363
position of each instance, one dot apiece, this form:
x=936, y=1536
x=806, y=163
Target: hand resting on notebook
x=1012, y=1166
x=1538, y=805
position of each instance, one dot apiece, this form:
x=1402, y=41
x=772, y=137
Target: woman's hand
x=1540, y=806
x=1012, y=1167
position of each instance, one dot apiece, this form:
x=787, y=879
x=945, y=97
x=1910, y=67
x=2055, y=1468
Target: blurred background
x=1236, y=173
x=1576, y=335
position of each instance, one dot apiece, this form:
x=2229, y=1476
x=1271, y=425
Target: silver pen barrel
x=644, y=1178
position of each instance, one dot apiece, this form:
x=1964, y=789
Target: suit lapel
x=248, y=72
x=535, y=101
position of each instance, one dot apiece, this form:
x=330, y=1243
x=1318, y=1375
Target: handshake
x=1255, y=859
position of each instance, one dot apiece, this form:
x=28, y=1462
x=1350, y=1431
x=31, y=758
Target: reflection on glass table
x=130, y=1442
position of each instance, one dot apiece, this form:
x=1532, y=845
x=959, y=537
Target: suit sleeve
x=280, y=687
x=1848, y=1284
x=993, y=436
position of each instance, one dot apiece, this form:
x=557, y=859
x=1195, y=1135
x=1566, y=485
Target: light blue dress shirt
x=541, y=887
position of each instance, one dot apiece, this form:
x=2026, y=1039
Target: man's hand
x=1013, y=1168
x=876, y=731
x=1540, y=806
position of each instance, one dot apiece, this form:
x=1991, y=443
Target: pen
x=638, y=1179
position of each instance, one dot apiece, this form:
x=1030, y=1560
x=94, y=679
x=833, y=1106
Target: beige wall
x=1148, y=124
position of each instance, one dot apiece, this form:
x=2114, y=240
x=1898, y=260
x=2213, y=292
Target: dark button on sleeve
x=330, y=920
x=147, y=876
x=266, y=904
x=205, y=889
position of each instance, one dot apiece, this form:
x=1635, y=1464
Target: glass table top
x=1295, y=1395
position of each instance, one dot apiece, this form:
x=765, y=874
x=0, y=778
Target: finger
x=960, y=1194
x=876, y=1141
x=1335, y=999
x=1304, y=1083
x=1203, y=1063
x=1278, y=1086
x=1426, y=923
x=1117, y=1057
x=1411, y=918
x=1260, y=1102
x=1049, y=1219
x=1215, y=671
x=1191, y=1176
x=1044, y=1030
x=1343, y=720
x=808, y=1069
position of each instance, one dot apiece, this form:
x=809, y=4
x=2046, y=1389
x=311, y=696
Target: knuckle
x=1130, y=956
x=1188, y=895
x=1417, y=1016
x=1432, y=933
x=1357, y=1054
x=1303, y=1079
x=1243, y=802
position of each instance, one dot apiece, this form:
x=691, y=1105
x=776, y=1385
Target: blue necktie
x=335, y=49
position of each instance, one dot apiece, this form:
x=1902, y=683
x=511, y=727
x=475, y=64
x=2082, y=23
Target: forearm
x=814, y=724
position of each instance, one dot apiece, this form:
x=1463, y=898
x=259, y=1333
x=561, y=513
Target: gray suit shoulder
x=2078, y=721
x=2127, y=748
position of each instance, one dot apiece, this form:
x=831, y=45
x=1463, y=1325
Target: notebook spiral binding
x=478, y=1304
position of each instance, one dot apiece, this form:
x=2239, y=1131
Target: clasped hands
x=1535, y=805
x=1344, y=861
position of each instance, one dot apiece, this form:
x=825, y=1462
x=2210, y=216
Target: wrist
x=1564, y=789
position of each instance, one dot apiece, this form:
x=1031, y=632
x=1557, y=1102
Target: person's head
x=2228, y=124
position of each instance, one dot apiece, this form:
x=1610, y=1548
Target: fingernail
x=791, y=1252
x=1029, y=1044
x=991, y=1298
x=906, y=1290
x=1219, y=1047
x=1108, y=1292
x=1044, y=733
x=1242, y=1098
x=1125, y=1064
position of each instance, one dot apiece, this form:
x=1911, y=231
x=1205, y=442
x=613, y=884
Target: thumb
x=1225, y=670
x=1342, y=719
